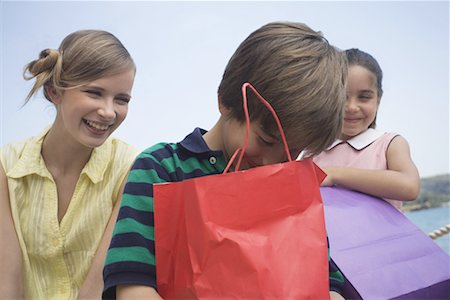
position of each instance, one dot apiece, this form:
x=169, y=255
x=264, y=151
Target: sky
x=181, y=50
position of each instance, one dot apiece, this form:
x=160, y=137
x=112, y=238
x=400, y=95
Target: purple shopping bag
x=380, y=252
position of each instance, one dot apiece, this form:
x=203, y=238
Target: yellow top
x=57, y=256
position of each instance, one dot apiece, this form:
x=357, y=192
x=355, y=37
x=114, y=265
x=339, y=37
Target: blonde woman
x=59, y=190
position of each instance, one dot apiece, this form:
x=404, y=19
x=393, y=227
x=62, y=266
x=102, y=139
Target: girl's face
x=362, y=101
x=88, y=114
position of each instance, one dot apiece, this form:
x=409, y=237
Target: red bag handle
x=247, y=127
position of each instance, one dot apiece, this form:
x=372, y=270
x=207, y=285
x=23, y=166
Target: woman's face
x=88, y=114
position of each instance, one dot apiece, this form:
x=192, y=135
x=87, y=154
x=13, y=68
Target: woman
x=59, y=190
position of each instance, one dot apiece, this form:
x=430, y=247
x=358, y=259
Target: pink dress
x=365, y=151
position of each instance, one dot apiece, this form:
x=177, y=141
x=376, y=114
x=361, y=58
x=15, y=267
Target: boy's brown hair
x=300, y=74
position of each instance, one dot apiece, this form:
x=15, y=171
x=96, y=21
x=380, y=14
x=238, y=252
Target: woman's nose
x=107, y=111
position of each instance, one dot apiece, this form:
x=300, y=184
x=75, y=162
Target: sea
x=431, y=219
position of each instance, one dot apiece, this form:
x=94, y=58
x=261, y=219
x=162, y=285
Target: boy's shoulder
x=159, y=151
x=192, y=145
x=167, y=162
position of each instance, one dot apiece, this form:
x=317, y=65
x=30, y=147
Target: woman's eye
x=123, y=100
x=93, y=93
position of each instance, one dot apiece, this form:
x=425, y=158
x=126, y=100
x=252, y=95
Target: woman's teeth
x=96, y=125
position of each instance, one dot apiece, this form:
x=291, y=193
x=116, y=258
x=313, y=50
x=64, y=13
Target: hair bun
x=45, y=69
x=46, y=62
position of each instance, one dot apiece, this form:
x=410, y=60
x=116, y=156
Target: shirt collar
x=98, y=162
x=31, y=161
x=360, y=141
x=195, y=143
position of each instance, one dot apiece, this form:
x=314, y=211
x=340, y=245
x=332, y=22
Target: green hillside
x=434, y=192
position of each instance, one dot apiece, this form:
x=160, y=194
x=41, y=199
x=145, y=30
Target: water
x=431, y=219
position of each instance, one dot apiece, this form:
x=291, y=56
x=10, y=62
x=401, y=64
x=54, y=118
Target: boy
x=299, y=73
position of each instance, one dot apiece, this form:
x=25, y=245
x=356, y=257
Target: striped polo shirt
x=131, y=256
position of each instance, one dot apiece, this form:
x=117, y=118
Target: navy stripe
x=144, y=163
x=139, y=189
x=138, y=266
x=166, y=152
x=132, y=239
x=113, y=275
x=143, y=217
x=147, y=164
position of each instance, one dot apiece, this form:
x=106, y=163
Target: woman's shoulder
x=12, y=152
x=121, y=150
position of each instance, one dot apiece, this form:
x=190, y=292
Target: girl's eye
x=365, y=97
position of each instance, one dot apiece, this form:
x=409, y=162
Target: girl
x=364, y=159
x=59, y=190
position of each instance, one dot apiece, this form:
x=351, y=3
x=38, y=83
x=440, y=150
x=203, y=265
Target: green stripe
x=137, y=202
x=129, y=225
x=187, y=166
x=144, y=176
x=337, y=276
x=129, y=254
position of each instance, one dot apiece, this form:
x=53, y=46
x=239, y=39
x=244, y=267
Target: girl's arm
x=92, y=287
x=400, y=181
x=11, y=286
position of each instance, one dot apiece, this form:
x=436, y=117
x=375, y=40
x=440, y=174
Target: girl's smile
x=362, y=101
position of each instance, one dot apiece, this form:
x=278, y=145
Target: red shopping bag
x=253, y=234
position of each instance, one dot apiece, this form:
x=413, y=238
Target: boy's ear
x=224, y=111
x=53, y=94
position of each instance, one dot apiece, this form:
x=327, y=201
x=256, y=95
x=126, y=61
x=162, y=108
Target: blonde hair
x=82, y=57
x=300, y=74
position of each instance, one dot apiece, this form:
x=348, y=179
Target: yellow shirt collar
x=31, y=161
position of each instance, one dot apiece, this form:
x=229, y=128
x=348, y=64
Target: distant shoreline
x=426, y=205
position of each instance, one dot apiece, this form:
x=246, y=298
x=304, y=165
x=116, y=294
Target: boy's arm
x=11, y=286
x=335, y=296
x=335, y=277
x=400, y=181
x=130, y=259
x=93, y=284
x=137, y=292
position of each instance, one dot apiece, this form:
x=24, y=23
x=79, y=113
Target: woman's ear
x=52, y=94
